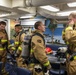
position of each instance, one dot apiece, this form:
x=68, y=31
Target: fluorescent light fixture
x=50, y=8
x=3, y=15
x=73, y=4
x=65, y=13
x=7, y=14
x=27, y=16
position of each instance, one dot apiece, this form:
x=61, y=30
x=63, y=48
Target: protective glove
x=46, y=68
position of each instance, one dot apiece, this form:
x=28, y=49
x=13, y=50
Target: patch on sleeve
x=39, y=41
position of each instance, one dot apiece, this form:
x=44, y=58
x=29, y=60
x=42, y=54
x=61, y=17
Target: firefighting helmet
x=48, y=50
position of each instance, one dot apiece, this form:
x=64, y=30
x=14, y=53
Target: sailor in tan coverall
x=3, y=44
x=19, y=38
x=69, y=36
x=38, y=51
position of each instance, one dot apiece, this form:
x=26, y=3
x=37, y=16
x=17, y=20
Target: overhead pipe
x=62, y=22
x=45, y=2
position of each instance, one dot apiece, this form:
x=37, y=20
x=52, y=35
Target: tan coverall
x=18, y=43
x=69, y=36
x=3, y=52
x=38, y=49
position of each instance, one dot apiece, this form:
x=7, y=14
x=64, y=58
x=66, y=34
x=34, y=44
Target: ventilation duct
x=34, y=3
x=45, y=2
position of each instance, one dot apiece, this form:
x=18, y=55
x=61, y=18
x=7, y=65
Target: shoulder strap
x=34, y=35
x=74, y=27
x=21, y=34
x=7, y=42
x=40, y=36
x=32, y=55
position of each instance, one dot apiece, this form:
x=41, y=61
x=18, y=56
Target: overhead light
x=65, y=13
x=7, y=14
x=73, y=4
x=27, y=16
x=50, y=8
x=3, y=15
